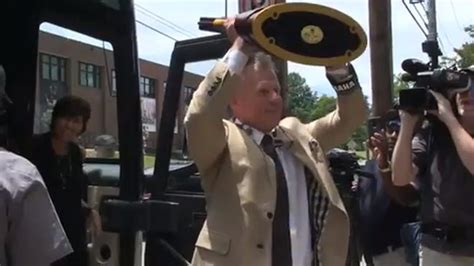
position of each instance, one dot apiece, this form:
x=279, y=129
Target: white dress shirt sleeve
x=39, y=233
x=236, y=60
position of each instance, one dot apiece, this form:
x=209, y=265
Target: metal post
x=431, y=14
x=380, y=38
x=225, y=12
x=431, y=46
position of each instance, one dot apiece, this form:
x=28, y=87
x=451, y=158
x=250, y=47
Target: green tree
x=398, y=85
x=301, y=100
x=465, y=55
x=304, y=104
x=324, y=105
x=361, y=134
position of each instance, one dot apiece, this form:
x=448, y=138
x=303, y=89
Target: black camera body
x=443, y=80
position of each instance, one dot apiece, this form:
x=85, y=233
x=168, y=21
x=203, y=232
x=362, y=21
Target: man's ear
x=236, y=98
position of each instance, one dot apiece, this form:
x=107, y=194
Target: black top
x=381, y=217
x=67, y=186
x=447, y=186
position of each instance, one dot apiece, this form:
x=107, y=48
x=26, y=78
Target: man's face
x=391, y=133
x=68, y=129
x=465, y=107
x=257, y=101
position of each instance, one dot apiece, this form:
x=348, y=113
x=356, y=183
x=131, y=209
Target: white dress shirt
x=30, y=230
x=300, y=229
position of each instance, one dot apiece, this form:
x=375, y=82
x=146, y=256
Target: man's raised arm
x=351, y=110
x=205, y=129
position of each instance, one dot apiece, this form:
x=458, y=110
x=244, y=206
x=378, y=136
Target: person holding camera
x=385, y=208
x=441, y=156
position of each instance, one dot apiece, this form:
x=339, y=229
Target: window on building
x=53, y=68
x=188, y=94
x=113, y=91
x=89, y=75
x=147, y=87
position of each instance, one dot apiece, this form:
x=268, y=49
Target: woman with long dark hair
x=59, y=160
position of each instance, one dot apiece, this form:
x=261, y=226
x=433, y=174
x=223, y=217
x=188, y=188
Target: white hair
x=257, y=61
x=261, y=60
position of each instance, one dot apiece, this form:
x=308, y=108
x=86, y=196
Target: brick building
x=68, y=66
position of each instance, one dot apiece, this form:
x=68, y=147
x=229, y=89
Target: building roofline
x=111, y=51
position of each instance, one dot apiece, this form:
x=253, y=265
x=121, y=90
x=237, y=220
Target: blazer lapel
x=252, y=146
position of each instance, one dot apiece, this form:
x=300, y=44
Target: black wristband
x=345, y=84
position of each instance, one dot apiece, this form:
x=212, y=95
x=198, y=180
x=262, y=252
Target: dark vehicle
x=173, y=213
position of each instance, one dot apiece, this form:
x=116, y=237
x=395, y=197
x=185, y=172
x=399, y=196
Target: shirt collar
x=255, y=134
x=258, y=135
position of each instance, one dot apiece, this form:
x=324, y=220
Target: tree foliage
x=301, y=100
x=307, y=106
x=398, y=85
x=465, y=54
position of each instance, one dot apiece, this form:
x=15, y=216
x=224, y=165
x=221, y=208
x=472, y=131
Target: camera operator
x=441, y=156
x=385, y=208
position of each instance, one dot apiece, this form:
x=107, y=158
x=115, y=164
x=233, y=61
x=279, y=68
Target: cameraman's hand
x=237, y=41
x=408, y=120
x=445, y=110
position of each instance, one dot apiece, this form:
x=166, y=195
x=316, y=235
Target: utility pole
x=430, y=46
x=225, y=11
x=380, y=39
x=431, y=14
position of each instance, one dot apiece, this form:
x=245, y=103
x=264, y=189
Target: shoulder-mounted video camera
x=447, y=81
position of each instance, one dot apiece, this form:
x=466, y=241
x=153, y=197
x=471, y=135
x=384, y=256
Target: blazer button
x=270, y=215
x=260, y=246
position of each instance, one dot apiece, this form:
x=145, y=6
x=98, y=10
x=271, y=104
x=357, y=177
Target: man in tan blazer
x=270, y=197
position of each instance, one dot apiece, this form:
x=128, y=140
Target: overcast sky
x=452, y=16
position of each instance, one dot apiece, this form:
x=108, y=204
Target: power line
x=146, y=13
x=455, y=16
x=442, y=46
x=172, y=28
x=424, y=6
x=164, y=21
x=421, y=16
x=155, y=30
x=414, y=18
x=447, y=37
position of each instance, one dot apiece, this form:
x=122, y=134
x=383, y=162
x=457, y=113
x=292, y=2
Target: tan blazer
x=239, y=178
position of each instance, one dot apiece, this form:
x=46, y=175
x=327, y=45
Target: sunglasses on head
x=393, y=125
